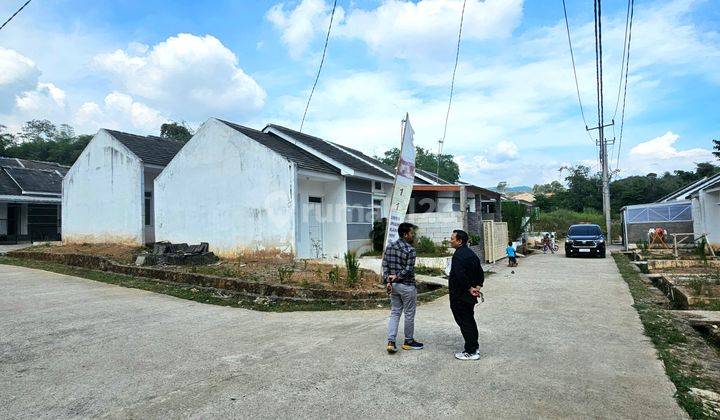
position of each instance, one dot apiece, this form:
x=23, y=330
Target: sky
x=132, y=65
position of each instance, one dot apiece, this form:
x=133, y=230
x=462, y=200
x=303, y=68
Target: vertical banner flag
x=404, y=179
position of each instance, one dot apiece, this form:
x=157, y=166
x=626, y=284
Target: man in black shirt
x=465, y=281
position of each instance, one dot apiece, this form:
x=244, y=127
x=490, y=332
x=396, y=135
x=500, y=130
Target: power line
x=15, y=14
x=572, y=58
x=622, y=63
x=627, y=67
x=322, y=60
x=452, y=89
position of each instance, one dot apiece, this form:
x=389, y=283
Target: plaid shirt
x=399, y=259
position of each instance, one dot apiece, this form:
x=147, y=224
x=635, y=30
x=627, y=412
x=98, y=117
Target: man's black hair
x=405, y=228
x=510, y=243
x=462, y=235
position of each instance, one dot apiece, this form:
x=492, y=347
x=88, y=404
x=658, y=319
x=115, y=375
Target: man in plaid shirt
x=399, y=274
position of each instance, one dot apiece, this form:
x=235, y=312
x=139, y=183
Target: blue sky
x=131, y=65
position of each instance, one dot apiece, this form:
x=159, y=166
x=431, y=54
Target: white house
x=107, y=195
x=705, y=197
x=29, y=200
x=241, y=189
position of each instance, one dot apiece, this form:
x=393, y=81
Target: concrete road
x=559, y=339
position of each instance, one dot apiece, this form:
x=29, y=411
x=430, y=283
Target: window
x=378, y=185
x=585, y=230
x=456, y=204
x=377, y=210
x=148, y=208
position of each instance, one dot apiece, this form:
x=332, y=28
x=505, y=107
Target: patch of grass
x=670, y=342
x=196, y=294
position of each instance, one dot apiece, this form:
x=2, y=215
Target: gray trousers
x=403, y=299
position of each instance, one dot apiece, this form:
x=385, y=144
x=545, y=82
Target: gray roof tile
x=303, y=159
x=152, y=150
x=36, y=180
x=332, y=151
x=30, y=176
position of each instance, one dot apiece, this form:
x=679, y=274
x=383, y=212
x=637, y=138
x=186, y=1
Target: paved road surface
x=559, y=340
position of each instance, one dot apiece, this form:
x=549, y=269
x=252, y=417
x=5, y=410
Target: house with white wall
x=30, y=196
x=438, y=206
x=241, y=189
x=705, y=198
x=108, y=193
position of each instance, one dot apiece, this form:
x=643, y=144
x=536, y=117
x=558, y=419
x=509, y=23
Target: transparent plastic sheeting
x=660, y=213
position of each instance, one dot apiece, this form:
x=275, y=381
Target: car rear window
x=584, y=231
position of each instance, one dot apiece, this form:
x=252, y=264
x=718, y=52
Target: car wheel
x=602, y=254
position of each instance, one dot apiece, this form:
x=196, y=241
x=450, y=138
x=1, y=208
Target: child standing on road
x=512, y=256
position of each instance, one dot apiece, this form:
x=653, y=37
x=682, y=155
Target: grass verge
x=190, y=292
x=670, y=341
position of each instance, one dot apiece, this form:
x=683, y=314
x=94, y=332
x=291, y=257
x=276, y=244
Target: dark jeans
x=464, y=313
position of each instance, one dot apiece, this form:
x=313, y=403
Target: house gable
x=229, y=190
x=102, y=194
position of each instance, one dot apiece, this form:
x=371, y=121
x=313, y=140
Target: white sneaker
x=467, y=356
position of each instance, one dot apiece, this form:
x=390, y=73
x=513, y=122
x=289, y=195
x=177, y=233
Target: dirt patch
x=266, y=267
x=124, y=254
x=283, y=270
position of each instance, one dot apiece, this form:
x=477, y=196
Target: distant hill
x=518, y=189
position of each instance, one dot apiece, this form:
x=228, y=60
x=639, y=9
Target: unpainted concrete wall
x=102, y=195
x=436, y=226
x=228, y=190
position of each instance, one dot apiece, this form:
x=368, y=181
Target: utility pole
x=602, y=141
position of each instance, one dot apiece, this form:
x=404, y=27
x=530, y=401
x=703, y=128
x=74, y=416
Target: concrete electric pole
x=602, y=141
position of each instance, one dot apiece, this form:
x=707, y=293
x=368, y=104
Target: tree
x=716, y=147
x=38, y=131
x=427, y=161
x=551, y=188
x=43, y=140
x=6, y=139
x=513, y=214
x=176, y=131
x=583, y=192
x=501, y=187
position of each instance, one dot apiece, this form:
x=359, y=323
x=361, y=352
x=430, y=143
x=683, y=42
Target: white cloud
x=398, y=28
x=525, y=93
x=120, y=112
x=18, y=74
x=428, y=28
x=661, y=154
x=46, y=96
x=300, y=25
x=188, y=75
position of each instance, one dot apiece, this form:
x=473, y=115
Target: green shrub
x=560, y=220
x=334, y=275
x=284, y=273
x=474, y=239
x=353, y=268
x=513, y=214
x=425, y=245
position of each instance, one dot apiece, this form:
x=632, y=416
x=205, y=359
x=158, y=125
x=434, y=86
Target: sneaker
x=412, y=345
x=391, y=348
x=467, y=356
